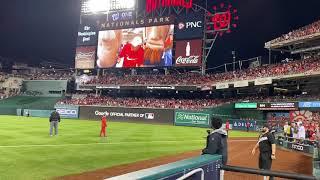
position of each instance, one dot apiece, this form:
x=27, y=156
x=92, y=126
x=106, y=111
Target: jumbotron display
x=135, y=47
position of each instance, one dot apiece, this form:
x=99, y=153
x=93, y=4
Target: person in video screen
x=132, y=53
x=158, y=46
x=109, y=44
x=126, y=48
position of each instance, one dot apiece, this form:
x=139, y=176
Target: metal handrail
x=267, y=173
x=192, y=173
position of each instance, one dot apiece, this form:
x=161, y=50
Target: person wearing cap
x=267, y=148
x=132, y=53
x=54, y=122
x=217, y=141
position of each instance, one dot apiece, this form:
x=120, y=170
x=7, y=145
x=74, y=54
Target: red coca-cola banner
x=188, y=53
x=85, y=57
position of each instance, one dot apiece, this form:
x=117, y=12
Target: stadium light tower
x=104, y=6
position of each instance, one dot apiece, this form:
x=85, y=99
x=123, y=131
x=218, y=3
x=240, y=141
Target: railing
x=268, y=173
x=192, y=173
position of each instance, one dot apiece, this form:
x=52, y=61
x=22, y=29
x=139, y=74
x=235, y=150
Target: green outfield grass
x=28, y=152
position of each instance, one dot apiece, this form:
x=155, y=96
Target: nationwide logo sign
x=192, y=118
x=85, y=57
x=188, y=53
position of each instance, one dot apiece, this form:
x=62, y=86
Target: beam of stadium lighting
x=129, y=4
x=96, y=6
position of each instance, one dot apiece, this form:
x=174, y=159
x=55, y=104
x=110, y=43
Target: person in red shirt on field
x=103, y=126
x=227, y=127
x=248, y=125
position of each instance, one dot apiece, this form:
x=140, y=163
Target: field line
x=107, y=143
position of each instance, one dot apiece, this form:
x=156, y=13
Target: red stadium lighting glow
x=224, y=19
x=152, y=5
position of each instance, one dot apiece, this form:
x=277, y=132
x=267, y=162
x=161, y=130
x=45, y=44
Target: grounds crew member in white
x=54, y=122
x=267, y=148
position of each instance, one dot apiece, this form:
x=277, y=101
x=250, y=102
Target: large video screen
x=136, y=47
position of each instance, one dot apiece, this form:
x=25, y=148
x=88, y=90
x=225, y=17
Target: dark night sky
x=36, y=30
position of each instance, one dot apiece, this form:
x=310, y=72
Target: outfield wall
x=147, y=115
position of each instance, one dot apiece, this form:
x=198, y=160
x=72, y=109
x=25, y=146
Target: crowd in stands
x=50, y=76
x=294, y=67
x=300, y=130
x=32, y=93
x=192, y=104
x=299, y=33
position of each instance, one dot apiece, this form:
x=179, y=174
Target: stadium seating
x=51, y=88
x=307, y=66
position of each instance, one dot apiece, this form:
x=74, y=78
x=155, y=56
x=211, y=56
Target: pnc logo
x=188, y=25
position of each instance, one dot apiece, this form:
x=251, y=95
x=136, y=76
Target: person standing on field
x=54, y=122
x=103, y=126
x=267, y=148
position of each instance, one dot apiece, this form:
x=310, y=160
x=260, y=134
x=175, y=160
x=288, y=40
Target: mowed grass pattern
x=78, y=148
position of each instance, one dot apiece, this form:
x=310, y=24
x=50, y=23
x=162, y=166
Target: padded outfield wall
x=147, y=115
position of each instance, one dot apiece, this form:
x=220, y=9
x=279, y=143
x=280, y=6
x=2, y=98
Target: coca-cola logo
x=187, y=60
x=85, y=55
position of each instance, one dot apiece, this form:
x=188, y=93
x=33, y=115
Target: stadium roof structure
x=304, y=44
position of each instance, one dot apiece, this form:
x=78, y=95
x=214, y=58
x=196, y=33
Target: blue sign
x=242, y=125
x=68, y=112
x=309, y=104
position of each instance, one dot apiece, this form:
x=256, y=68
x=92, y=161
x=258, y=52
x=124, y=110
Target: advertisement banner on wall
x=222, y=86
x=309, y=104
x=190, y=26
x=190, y=118
x=87, y=35
x=242, y=125
x=300, y=147
x=245, y=105
x=278, y=106
x=127, y=114
x=189, y=53
x=68, y=112
x=263, y=81
x=85, y=57
x=241, y=83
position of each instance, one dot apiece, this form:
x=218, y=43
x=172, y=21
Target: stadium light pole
x=234, y=60
x=269, y=56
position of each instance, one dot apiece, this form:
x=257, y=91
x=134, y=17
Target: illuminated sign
x=311, y=104
x=278, y=106
x=152, y=5
x=221, y=21
x=224, y=18
x=245, y=105
x=141, y=22
x=87, y=35
x=105, y=6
